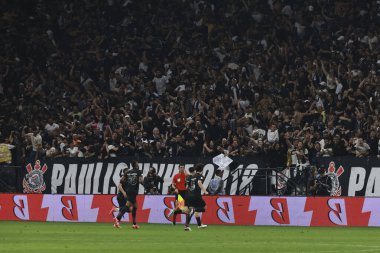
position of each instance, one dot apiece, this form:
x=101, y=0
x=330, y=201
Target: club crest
x=334, y=174
x=34, y=180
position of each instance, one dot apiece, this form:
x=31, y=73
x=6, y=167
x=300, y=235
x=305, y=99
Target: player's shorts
x=121, y=200
x=131, y=197
x=195, y=201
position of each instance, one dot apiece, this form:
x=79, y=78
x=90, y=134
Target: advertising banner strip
x=227, y=210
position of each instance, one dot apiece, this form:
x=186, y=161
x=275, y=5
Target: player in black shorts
x=121, y=197
x=194, y=198
x=134, y=179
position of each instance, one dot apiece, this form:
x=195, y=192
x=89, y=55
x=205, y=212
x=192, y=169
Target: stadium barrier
x=350, y=176
x=230, y=210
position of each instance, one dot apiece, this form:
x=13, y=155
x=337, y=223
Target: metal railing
x=294, y=181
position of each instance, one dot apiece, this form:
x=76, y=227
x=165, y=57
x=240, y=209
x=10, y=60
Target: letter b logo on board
x=337, y=213
x=226, y=210
x=69, y=209
x=280, y=214
x=21, y=208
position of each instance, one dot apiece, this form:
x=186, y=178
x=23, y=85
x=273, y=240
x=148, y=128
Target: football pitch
x=102, y=237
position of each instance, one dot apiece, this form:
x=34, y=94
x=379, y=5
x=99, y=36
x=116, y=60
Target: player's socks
x=188, y=218
x=134, y=215
x=198, y=221
x=116, y=223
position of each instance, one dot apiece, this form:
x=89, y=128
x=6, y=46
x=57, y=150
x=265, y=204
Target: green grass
x=102, y=237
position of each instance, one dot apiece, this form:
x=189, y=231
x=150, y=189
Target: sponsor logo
x=226, y=210
x=334, y=174
x=34, y=179
x=280, y=214
x=69, y=210
x=21, y=208
x=169, y=203
x=337, y=213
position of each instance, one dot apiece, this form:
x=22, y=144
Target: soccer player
x=194, y=199
x=121, y=197
x=179, y=186
x=134, y=178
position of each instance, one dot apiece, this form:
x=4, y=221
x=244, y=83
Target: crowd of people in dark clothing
x=294, y=80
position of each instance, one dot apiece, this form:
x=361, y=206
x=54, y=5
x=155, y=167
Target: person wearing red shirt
x=179, y=186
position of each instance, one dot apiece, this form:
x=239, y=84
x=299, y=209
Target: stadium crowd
x=285, y=79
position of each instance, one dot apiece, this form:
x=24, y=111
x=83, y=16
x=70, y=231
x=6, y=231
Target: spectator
x=209, y=149
x=361, y=148
x=160, y=81
x=5, y=152
x=73, y=150
x=51, y=127
x=338, y=146
x=290, y=67
x=321, y=183
x=314, y=153
x=302, y=155
x=176, y=146
x=36, y=141
x=51, y=151
x=273, y=135
x=234, y=148
x=326, y=145
x=152, y=182
x=216, y=185
x=373, y=143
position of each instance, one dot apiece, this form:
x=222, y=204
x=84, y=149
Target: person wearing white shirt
x=260, y=132
x=272, y=135
x=73, y=151
x=36, y=141
x=302, y=154
x=361, y=148
x=160, y=82
x=51, y=126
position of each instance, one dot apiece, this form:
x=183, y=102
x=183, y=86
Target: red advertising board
x=228, y=210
